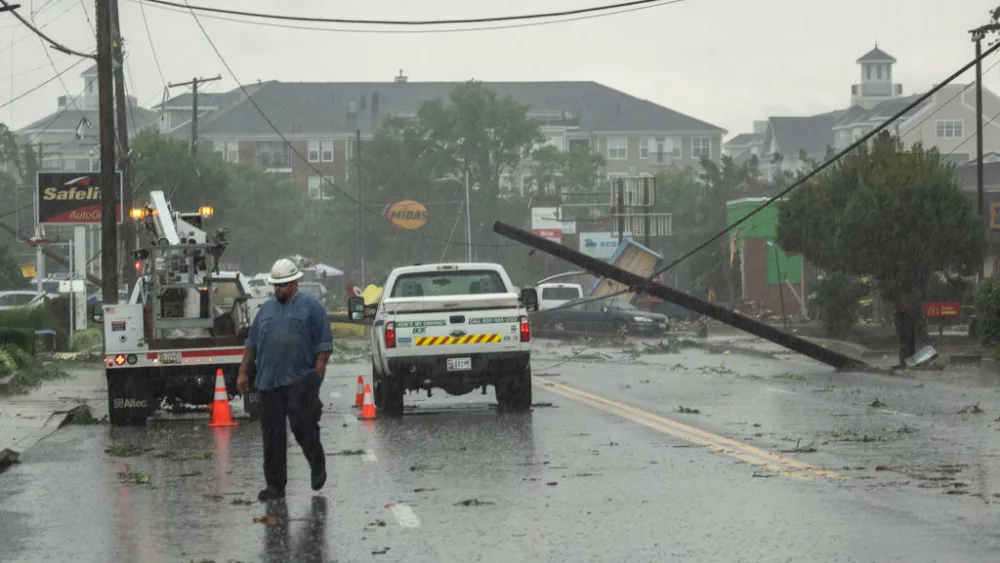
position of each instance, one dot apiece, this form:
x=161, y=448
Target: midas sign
x=407, y=214
x=74, y=198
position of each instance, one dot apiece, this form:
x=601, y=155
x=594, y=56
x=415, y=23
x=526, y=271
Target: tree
x=575, y=170
x=9, y=151
x=425, y=159
x=697, y=204
x=482, y=133
x=10, y=272
x=164, y=163
x=897, y=216
x=993, y=25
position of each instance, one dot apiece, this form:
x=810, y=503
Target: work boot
x=318, y=478
x=270, y=493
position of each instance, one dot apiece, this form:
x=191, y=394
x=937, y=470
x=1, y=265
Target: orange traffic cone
x=220, y=406
x=359, y=398
x=368, y=408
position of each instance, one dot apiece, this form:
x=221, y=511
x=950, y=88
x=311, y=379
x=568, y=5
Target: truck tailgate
x=437, y=326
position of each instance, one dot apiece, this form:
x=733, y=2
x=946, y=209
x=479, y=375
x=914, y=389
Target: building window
x=327, y=151
x=320, y=188
x=660, y=149
x=878, y=72
x=579, y=144
x=701, y=147
x=644, y=147
x=313, y=151
x=950, y=129
x=617, y=148
x=228, y=150
x=273, y=154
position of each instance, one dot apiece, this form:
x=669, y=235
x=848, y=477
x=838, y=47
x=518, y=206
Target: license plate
x=663, y=325
x=170, y=357
x=459, y=364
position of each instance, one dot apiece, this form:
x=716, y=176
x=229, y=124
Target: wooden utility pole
x=106, y=112
x=977, y=38
x=124, y=154
x=194, y=107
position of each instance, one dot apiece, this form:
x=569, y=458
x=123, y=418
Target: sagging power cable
x=422, y=30
x=490, y=19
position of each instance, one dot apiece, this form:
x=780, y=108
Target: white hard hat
x=284, y=271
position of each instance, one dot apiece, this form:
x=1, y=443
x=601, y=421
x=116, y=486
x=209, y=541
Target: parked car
x=603, y=316
x=18, y=299
x=551, y=295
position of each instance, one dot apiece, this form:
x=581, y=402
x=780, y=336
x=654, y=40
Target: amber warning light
x=139, y=213
x=206, y=210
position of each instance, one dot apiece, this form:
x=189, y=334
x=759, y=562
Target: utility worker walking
x=290, y=342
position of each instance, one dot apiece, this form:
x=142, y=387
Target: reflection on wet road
x=685, y=461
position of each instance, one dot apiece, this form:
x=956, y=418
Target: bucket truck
x=184, y=318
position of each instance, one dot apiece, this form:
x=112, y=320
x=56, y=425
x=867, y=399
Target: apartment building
x=637, y=137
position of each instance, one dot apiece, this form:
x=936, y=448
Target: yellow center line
x=745, y=452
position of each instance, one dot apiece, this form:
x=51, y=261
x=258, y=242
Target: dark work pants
x=300, y=404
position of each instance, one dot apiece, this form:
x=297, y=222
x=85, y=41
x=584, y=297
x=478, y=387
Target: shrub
x=988, y=310
x=18, y=326
x=837, y=295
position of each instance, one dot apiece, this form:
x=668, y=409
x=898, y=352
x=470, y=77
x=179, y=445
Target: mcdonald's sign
x=942, y=310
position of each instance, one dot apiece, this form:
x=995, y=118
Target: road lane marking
x=334, y=395
x=405, y=515
x=369, y=456
x=665, y=429
x=349, y=419
x=745, y=452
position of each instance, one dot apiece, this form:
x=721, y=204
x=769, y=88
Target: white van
x=551, y=295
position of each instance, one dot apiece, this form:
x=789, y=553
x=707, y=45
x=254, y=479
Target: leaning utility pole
x=194, y=107
x=106, y=112
x=124, y=155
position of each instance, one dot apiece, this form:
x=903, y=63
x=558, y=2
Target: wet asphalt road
x=688, y=456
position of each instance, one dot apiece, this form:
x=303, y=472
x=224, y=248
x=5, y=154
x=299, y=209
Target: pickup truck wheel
x=390, y=392
x=378, y=390
x=513, y=391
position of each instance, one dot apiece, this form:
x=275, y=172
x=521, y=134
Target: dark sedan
x=602, y=316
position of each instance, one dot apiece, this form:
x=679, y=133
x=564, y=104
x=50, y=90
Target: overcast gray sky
x=727, y=62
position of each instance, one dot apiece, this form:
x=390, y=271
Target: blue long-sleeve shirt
x=285, y=339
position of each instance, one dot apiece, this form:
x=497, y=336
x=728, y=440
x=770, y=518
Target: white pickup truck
x=457, y=327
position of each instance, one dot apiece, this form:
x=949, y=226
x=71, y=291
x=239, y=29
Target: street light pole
x=468, y=219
